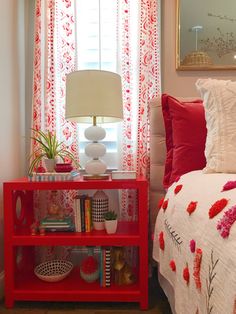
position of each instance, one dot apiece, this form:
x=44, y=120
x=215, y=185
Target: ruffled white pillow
x=219, y=100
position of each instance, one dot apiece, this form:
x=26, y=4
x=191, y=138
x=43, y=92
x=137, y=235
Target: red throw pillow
x=186, y=132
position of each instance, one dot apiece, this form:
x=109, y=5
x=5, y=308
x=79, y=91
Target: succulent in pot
x=48, y=148
x=110, y=221
x=110, y=215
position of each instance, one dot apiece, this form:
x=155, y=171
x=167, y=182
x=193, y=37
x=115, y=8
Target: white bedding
x=212, y=265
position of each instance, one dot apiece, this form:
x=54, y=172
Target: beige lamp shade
x=93, y=93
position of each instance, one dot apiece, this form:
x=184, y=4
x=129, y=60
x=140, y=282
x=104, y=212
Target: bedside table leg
x=8, y=277
x=144, y=305
x=9, y=251
x=9, y=303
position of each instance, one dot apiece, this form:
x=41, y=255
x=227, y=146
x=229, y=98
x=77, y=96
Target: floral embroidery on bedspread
x=186, y=274
x=197, y=268
x=217, y=207
x=192, y=245
x=226, y=222
x=161, y=241
x=178, y=188
x=175, y=237
x=229, y=186
x=165, y=204
x=209, y=283
x=160, y=203
x=172, y=265
x=191, y=207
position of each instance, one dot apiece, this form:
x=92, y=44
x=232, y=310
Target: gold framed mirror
x=205, y=35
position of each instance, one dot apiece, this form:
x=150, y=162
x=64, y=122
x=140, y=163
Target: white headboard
x=157, y=157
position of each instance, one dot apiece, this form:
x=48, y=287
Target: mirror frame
x=180, y=67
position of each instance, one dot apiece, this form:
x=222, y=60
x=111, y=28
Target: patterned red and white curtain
x=138, y=42
x=139, y=34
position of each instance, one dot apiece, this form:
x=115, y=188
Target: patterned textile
x=194, y=253
x=139, y=65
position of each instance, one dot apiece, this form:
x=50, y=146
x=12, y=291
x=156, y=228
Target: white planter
x=111, y=226
x=49, y=164
x=98, y=225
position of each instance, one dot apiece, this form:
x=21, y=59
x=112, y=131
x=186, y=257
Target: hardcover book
x=116, y=175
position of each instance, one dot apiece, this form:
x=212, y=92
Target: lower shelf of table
x=73, y=288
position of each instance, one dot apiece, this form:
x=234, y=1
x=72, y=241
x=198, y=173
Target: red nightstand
x=20, y=281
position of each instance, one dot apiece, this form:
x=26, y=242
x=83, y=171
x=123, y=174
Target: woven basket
x=54, y=270
x=199, y=58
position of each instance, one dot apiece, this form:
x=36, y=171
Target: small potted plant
x=48, y=149
x=110, y=218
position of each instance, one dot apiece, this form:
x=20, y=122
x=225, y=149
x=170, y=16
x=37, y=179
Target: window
x=96, y=44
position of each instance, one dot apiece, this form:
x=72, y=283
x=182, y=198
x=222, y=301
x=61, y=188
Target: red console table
x=20, y=281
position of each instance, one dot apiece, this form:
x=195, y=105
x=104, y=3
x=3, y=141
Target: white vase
x=111, y=226
x=100, y=205
x=49, y=164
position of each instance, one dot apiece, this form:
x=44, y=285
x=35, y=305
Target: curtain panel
x=138, y=53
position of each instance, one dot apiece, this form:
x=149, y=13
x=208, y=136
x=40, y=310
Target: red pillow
x=186, y=132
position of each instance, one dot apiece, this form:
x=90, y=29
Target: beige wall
x=11, y=107
x=179, y=83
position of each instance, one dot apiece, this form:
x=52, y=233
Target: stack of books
x=83, y=213
x=54, y=176
x=57, y=224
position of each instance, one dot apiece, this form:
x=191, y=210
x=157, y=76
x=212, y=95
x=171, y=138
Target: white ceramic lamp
x=94, y=96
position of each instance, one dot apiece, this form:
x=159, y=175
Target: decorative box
x=63, y=167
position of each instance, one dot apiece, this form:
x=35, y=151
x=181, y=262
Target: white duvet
x=211, y=287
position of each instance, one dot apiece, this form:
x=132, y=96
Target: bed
x=195, y=211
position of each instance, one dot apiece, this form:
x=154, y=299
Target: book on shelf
x=56, y=221
x=59, y=229
x=118, y=175
x=105, y=267
x=83, y=213
x=101, y=267
x=77, y=214
x=88, y=213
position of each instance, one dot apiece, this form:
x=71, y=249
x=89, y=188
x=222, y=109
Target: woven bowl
x=53, y=271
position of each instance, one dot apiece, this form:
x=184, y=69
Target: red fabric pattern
x=229, y=186
x=192, y=245
x=160, y=203
x=197, y=268
x=178, y=188
x=191, y=207
x=172, y=265
x=161, y=241
x=217, y=207
x=226, y=222
x=186, y=274
x=165, y=204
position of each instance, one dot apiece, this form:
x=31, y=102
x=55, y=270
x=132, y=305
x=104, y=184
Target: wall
x=179, y=83
x=11, y=107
